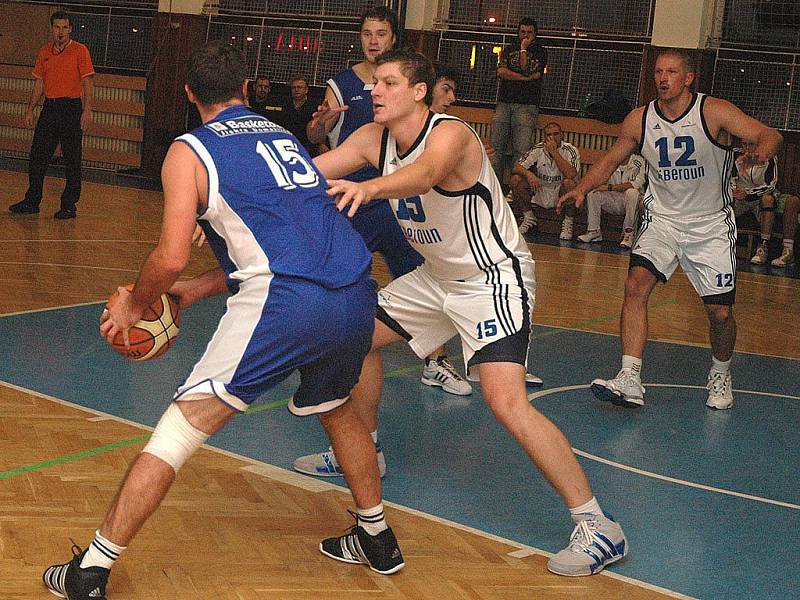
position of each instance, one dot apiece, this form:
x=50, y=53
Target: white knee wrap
x=174, y=439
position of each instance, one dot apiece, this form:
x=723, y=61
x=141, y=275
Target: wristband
x=523, y=50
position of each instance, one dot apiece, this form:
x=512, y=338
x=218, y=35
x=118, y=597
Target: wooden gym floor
x=706, y=498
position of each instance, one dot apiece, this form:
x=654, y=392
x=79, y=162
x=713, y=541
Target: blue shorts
x=381, y=232
x=274, y=326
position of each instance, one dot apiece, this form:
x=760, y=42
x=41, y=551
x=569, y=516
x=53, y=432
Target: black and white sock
x=372, y=519
x=102, y=553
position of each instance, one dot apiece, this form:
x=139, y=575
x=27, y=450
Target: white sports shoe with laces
x=786, y=258
x=626, y=241
x=324, y=464
x=760, y=257
x=528, y=223
x=566, y=229
x=595, y=543
x=720, y=391
x=591, y=236
x=624, y=390
x=441, y=373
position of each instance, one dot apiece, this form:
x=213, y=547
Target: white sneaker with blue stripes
x=324, y=464
x=595, y=543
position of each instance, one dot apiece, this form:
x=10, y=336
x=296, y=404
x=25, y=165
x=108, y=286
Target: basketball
x=154, y=333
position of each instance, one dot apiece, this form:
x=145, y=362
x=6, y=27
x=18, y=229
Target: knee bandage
x=174, y=439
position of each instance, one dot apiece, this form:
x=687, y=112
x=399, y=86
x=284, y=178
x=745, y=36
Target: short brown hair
x=216, y=72
x=684, y=55
x=60, y=15
x=414, y=65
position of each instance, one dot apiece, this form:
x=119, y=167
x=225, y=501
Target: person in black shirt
x=265, y=102
x=520, y=72
x=297, y=113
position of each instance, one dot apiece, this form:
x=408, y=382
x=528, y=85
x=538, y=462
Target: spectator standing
x=620, y=195
x=520, y=71
x=297, y=113
x=548, y=170
x=63, y=73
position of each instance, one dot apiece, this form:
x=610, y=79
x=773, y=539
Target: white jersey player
x=476, y=282
x=548, y=169
x=688, y=217
x=754, y=191
x=620, y=195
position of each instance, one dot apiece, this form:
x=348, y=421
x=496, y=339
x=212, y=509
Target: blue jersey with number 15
x=268, y=212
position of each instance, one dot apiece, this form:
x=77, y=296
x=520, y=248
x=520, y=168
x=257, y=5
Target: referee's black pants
x=59, y=123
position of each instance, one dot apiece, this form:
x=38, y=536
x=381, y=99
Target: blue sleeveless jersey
x=351, y=91
x=268, y=214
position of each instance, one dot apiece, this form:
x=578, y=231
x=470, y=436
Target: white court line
x=652, y=475
x=260, y=467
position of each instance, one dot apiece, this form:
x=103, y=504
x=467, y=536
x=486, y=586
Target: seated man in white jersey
x=687, y=216
x=620, y=195
x=302, y=300
x=477, y=280
x=324, y=464
x=546, y=171
x=754, y=192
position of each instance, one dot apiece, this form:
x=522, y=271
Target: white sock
x=789, y=244
x=590, y=508
x=374, y=435
x=101, y=553
x=528, y=213
x=567, y=220
x=372, y=519
x=633, y=364
x=720, y=366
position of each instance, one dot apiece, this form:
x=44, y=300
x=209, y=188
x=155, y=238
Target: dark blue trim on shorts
x=641, y=261
x=512, y=348
x=726, y=299
x=384, y=318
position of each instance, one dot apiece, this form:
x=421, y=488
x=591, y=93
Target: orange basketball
x=153, y=334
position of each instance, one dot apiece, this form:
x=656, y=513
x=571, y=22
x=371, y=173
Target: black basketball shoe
x=380, y=552
x=72, y=582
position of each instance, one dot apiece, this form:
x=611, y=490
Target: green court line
x=265, y=407
x=74, y=457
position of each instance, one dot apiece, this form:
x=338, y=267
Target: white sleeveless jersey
x=689, y=173
x=465, y=235
x=546, y=168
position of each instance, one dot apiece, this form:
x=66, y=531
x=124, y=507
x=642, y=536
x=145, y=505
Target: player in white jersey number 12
x=687, y=219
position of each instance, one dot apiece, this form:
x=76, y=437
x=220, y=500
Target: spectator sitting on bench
x=754, y=191
x=549, y=170
x=619, y=196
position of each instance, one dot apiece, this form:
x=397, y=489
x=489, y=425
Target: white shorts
x=546, y=197
x=428, y=312
x=704, y=247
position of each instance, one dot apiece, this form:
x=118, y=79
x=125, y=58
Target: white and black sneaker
x=379, y=552
x=441, y=373
x=72, y=582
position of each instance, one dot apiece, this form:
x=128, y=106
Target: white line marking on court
x=273, y=469
x=311, y=484
x=701, y=486
x=41, y=310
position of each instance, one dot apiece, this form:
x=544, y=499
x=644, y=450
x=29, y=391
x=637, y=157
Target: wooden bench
x=114, y=139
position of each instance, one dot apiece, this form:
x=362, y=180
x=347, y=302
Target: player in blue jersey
x=687, y=219
x=302, y=299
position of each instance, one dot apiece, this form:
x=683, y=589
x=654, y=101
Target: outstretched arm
x=626, y=144
x=361, y=148
x=721, y=114
x=446, y=152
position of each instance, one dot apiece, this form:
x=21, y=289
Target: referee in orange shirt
x=63, y=74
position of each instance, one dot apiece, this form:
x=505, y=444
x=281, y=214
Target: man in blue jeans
x=520, y=71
